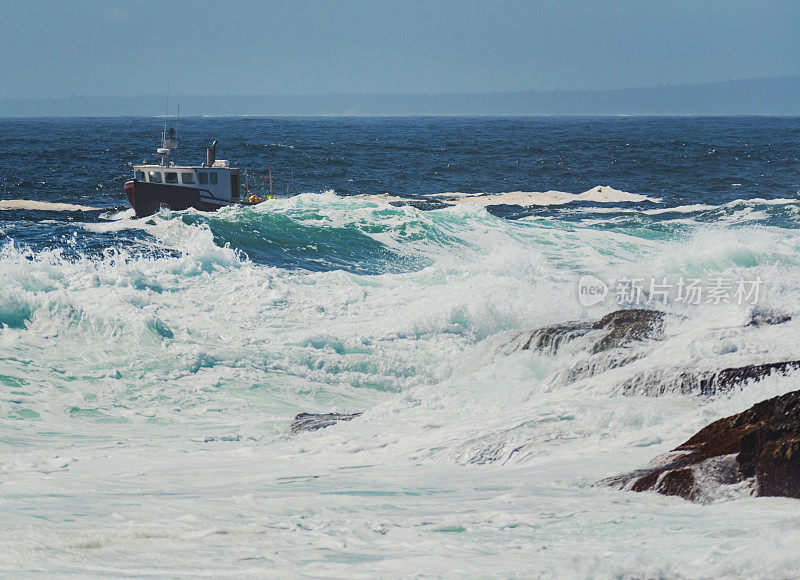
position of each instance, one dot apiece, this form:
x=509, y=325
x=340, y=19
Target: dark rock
x=617, y=339
x=614, y=330
x=624, y=326
x=314, y=421
x=756, y=451
x=550, y=338
x=625, y=336
x=765, y=317
x=658, y=381
x=599, y=363
x=422, y=204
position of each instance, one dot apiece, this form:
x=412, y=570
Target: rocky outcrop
x=756, y=452
x=624, y=326
x=550, y=338
x=679, y=380
x=599, y=363
x=625, y=336
x=615, y=340
x=314, y=421
x=616, y=329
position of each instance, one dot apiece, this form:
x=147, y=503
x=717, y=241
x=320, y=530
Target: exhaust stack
x=211, y=154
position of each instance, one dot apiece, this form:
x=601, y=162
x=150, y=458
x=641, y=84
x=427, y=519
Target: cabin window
x=155, y=177
x=187, y=178
x=139, y=175
x=170, y=177
x=202, y=177
x=213, y=177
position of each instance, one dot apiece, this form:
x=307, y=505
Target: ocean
x=151, y=368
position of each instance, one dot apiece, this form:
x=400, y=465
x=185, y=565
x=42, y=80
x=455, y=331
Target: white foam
x=696, y=207
x=762, y=201
x=692, y=208
x=29, y=204
x=146, y=404
x=385, y=197
x=599, y=194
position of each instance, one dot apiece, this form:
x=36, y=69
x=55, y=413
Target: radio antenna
x=166, y=111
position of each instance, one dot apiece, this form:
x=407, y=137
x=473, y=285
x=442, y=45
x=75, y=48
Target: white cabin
x=215, y=179
x=219, y=181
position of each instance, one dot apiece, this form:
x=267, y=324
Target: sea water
x=150, y=368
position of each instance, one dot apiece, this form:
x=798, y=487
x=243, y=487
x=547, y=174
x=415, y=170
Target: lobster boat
x=207, y=187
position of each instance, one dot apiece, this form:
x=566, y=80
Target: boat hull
x=147, y=198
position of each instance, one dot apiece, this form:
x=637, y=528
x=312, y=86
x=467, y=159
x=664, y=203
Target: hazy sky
x=103, y=47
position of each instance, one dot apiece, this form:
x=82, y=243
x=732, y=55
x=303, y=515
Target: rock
x=617, y=339
x=550, y=338
x=614, y=330
x=422, y=204
x=764, y=317
x=756, y=452
x=599, y=363
x=680, y=380
x=314, y=421
x=624, y=326
x=625, y=336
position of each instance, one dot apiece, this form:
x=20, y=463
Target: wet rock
x=598, y=364
x=624, y=326
x=679, y=380
x=767, y=317
x=614, y=330
x=550, y=338
x=423, y=204
x=625, y=336
x=314, y=421
x=756, y=452
x=619, y=338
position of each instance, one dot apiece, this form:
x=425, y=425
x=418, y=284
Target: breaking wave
x=190, y=361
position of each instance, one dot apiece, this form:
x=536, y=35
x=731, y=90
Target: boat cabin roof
x=219, y=164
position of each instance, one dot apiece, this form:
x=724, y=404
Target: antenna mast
x=166, y=111
x=168, y=140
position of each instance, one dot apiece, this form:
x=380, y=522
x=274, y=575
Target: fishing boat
x=207, y=187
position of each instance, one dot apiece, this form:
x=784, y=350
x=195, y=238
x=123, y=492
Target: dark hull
x=147, y=198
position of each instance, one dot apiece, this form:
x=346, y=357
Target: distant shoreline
x=401, y=116
x=775, y=97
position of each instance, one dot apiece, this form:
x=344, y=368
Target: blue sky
x=102, y=47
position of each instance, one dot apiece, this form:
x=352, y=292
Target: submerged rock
x=599, y=363
x=756, y=452
x=314, y=421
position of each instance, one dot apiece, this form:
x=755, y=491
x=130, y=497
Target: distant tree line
x=767, y=96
